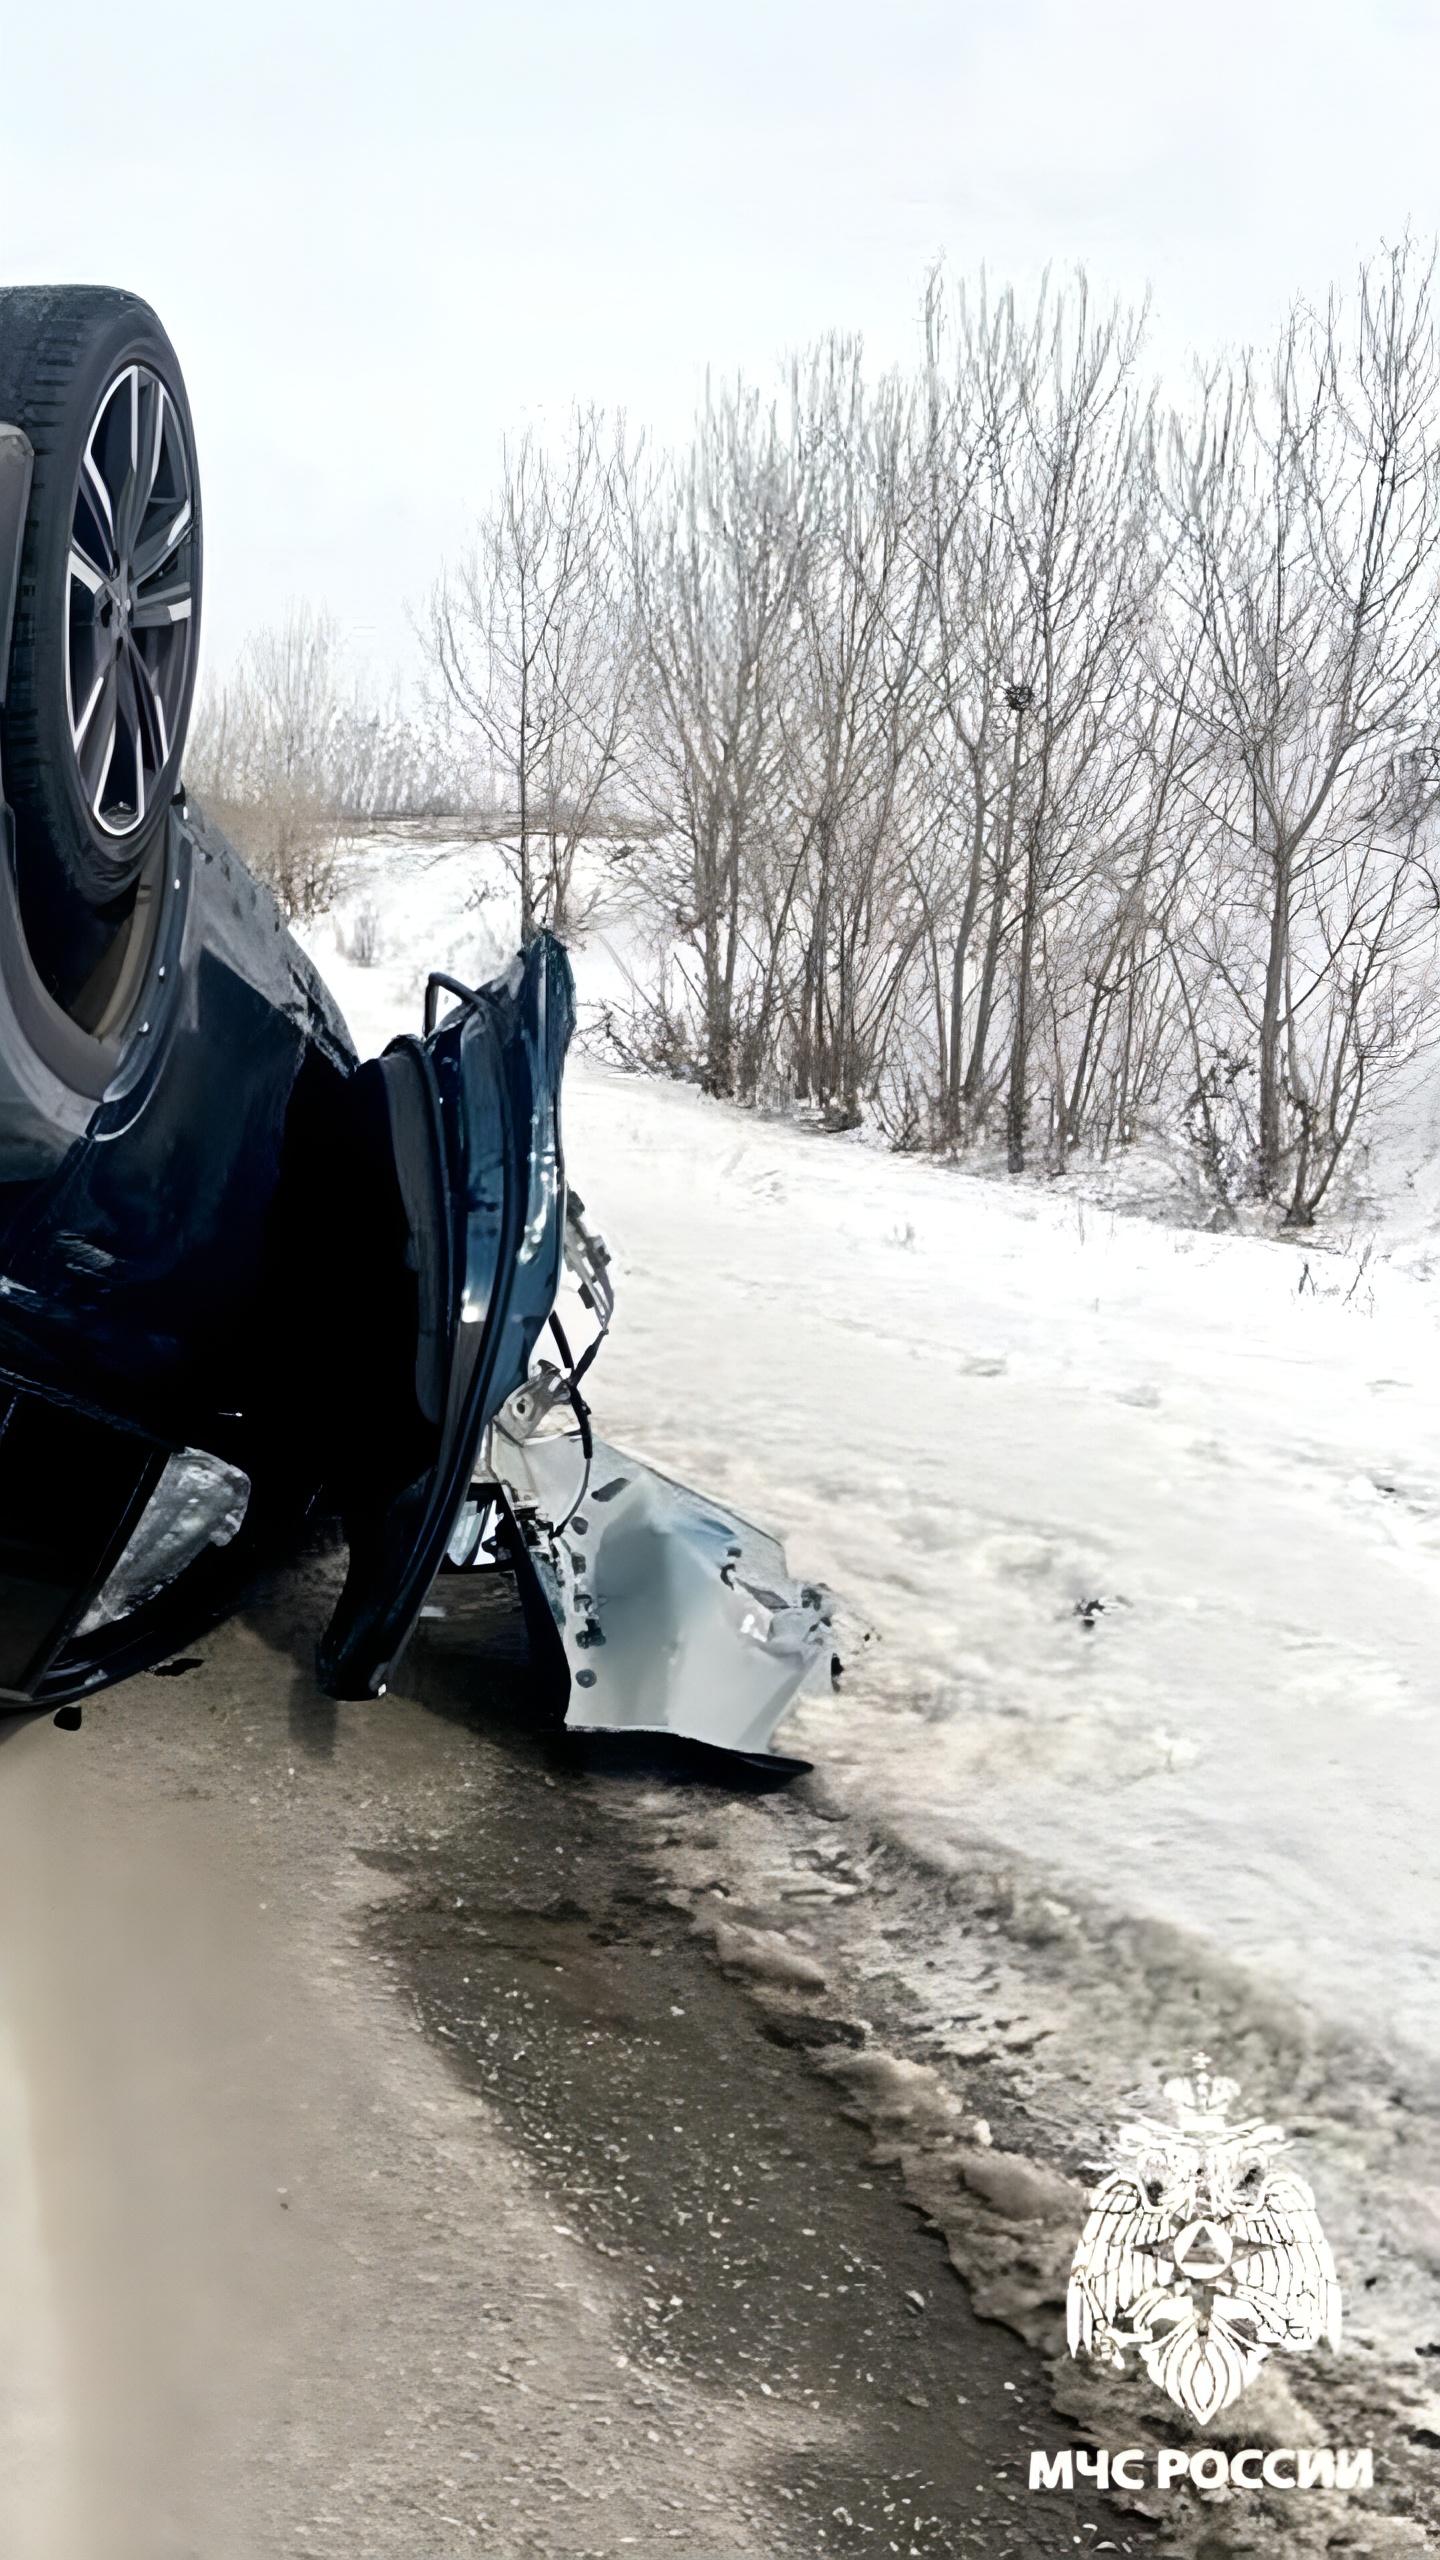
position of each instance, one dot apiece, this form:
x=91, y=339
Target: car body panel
x=214, y=1266
x=650, y=1608
x=491, y=1073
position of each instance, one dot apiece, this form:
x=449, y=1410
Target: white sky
x=381, y=237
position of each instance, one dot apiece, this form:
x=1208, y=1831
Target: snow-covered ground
x=1138, y=1527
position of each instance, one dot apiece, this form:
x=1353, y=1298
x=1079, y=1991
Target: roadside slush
x=410, y=2178
x=444, y=2135
x=771, y=2267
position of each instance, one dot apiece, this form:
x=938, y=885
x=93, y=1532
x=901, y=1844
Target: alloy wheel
x=130, y=619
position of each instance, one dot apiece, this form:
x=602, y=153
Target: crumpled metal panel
x=676, y=1614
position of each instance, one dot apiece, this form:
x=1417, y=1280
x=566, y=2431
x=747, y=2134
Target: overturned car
x=247, y=1281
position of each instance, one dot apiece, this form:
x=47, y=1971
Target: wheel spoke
x=99, y=744
x=128, y=762
x=157, y=611
x=79, y=727
x=137, y=734
x=147, y=437
x=100, y=493
x=94, y=528
x=151, y=554
x=151, y=729
x=109, y=452
x=156, y=445
x=85, y=570
x=128, y=503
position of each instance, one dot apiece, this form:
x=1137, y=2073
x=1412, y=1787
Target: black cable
x=587, y=1356
x=582, y=1413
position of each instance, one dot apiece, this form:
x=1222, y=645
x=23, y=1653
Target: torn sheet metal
x=675, y=1615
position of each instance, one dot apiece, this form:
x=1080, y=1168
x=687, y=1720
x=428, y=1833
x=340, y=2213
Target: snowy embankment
x=1143, y=1525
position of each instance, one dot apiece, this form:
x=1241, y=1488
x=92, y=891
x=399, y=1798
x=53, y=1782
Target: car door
x=457, y=1161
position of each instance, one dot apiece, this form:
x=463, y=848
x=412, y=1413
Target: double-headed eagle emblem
x=1200, y=2254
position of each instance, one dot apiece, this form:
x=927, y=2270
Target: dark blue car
x=244, y=1279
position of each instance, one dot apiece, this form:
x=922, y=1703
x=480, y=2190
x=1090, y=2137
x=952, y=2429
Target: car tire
x=106, y=628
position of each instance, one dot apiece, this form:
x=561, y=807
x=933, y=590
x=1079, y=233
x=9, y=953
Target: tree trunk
x=976, y=1070
x=968, y=914
x=527, y=894
x=1020, y=1036
x=1277, y=962
x=1074, y=1111
x=709, y=885
x=805, y=1046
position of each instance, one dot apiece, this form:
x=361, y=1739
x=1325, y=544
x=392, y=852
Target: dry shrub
x=261, y=759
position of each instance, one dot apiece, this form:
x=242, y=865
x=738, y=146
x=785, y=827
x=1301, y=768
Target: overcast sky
x=381, y=236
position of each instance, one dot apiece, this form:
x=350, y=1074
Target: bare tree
x=717, y=552
x=1034, y=514
x=1068, y=428
x=528, y=636
x=969, y=752
x=985, y=762
x=261, y=756
x=1114, y=966
x=850, y=719
x=1308, y=500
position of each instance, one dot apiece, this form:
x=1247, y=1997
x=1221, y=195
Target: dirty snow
x=1137, y=1532
x=1141, y=1525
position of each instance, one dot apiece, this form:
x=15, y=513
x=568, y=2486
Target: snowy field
x=1137, y=1528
